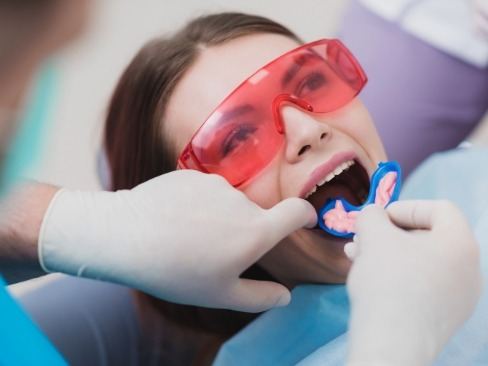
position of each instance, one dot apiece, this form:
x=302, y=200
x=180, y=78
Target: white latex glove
x=410, y=289
x=185, y=237
x=481, y=17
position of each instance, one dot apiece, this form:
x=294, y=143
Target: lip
x=325, y=169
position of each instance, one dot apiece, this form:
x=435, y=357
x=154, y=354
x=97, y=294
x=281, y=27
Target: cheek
x=357, y=124
x=264, y=189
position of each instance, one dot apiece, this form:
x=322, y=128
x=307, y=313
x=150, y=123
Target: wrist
x=21, y=217
x=79, y=234
x=390, y=338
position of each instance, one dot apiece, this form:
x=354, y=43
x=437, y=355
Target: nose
x=303, y=133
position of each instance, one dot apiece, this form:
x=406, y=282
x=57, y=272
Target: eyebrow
x=235, y=112
x=296, y=66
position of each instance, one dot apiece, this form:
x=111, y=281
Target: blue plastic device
x=383, y=169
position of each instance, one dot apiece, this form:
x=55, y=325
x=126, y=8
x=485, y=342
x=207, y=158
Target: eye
x=237, y=138
x=311, y=83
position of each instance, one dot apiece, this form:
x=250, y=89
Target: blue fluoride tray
x=383, y=169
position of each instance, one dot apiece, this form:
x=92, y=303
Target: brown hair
x=137, y=150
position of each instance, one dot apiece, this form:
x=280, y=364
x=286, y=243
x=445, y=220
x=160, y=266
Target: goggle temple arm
x=188, y=160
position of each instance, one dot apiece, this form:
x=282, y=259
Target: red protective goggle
x=244, y=133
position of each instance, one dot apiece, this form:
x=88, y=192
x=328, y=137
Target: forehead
x=217, y=71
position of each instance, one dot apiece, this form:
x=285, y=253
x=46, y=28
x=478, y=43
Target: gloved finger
x=410, y=215
x=423, y=214
x=351, y=250
x=284, y=218
x=371, y=221
x=255, y=296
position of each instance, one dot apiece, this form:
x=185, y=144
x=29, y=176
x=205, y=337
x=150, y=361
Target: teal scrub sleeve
x=21, y=342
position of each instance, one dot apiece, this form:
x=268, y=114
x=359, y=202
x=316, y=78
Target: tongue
x=339, y=219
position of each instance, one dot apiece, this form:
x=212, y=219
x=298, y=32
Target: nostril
x=323, y=136
x=304, y=149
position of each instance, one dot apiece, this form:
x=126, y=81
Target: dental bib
x=337, y=216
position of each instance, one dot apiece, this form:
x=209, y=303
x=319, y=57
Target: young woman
x=295, y=124
x=294, y=129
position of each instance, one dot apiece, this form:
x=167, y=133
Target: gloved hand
x=415, y=279
x=185, y=237
x=481, y=17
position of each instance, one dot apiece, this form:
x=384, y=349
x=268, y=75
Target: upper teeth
x=344, y=166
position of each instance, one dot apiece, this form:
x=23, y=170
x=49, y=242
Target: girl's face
x=314, y=145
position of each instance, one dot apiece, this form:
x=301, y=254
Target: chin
x=331, y=276
x=322, y=258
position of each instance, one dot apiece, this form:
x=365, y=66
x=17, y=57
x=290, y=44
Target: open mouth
x=349, y=180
